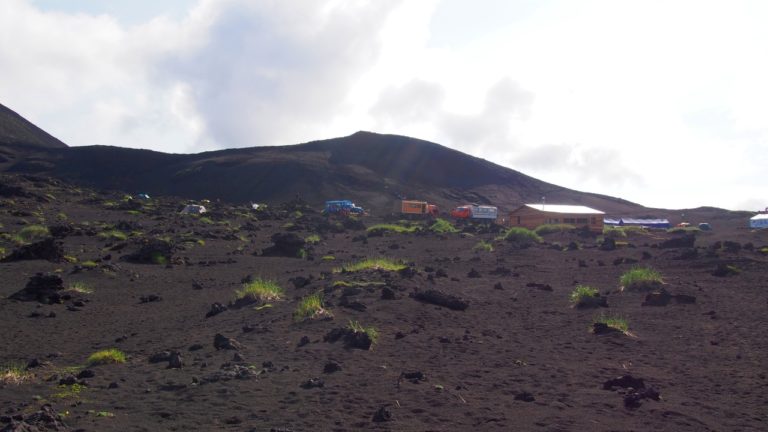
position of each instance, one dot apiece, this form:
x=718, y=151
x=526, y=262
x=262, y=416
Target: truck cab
x=343, y=207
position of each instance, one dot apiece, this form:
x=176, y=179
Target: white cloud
x=660, y=103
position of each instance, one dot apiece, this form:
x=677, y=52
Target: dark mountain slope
x=15, y=130
x=372, y=169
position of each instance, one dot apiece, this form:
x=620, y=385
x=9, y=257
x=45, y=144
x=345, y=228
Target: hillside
x=372, y=169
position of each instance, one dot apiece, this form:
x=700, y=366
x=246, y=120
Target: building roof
x=560, y=208
x=759, y=216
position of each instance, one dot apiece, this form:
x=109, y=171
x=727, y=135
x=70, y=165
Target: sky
x=664, y=103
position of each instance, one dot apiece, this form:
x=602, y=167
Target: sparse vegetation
x=442, y=226
x=683, y=229
x=14, y=374
x=345, y=284
x=614, y=322
x=69, y=391
x=484, y=245
x=31, y=233
x=400, y=229
x=584, y=295
x=104, y=414
x=372, y=333
x=312, y=239
x=80, y=287
x=107, y=356
x=206, y=220
x=261, y=290
x=372, y=264
x=520, y=235
x=553, y=228
x=640, y=279
x=113, y=235
x=311, y=307
x=328, y=258
x=88, y=264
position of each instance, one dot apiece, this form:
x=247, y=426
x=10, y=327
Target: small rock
x=175, y=361
x=313, y=383
x=331, y=367
x=383, y=414
x=221, y=342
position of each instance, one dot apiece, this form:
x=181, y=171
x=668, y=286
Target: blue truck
x=342, y=207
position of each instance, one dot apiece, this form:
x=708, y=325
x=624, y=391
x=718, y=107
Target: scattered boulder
x=175, y=361
x=637, y=390
x=42, y=287
x=42, y=420
x=222, y=342
x=159, y=357
x=313, y=383
x=624, y=381
x=216, y=309
x=473, y=274
x=331, y=366
x=414, y=377
x=724, y=270
x=595, y=301
x=383, y=414
x=657, y=298
x=150, y=298
x=599, y=328
x=388, y=293
x=351, y=338
x=525, y=397
x=441, y=299
x=153, y=251
x=285, y=245
x=608, y=244
x=46, y=249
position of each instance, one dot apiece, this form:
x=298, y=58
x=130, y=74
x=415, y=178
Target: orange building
x=532, y=215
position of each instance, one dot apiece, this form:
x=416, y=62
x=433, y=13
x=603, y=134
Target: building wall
x=527, y=217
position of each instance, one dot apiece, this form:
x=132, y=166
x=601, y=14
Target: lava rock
x=47, y=249
x=221, y=342
x=441, y=299
x=216, y=309
x=331, y=367
x=43, y=287
x=313, y=383
x=383, y=414
x=175, y=361
x=286, y=245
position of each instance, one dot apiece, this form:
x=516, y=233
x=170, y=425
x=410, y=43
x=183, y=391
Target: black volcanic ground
x=517, y=357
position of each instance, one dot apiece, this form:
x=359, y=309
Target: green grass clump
x=107, y=356
x=89, y=264
x=31, y=233
x=553, y=228
x=614, y=322
x=69, y=391
x=113, y=235
x=311, y=307
x=313, y=239
x=400, y=229
x=14, y=373
x=104, y=414
x=260, y=290
x=206, y=220
x=2, y=252
x=763, y=250
x=583, y=294
x=640, y=279
x=372, y=333
x=80, y=287
x=520, y=235
x=683, y=229
x=442, y=226
x=484, y=245
x=372, y=264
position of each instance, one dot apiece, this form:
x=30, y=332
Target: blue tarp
x=650, y=223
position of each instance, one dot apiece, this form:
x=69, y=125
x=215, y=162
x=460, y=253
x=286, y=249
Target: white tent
x=193, y=209
x=759, y=221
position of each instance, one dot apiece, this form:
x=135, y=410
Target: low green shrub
x=14, y=373
x=107, y=356
x=400, y=229
x=553, y=228
x=372, y=264
x=372, y=333
x=113, y=235
x=311, y=307
x=582, y=292
x=640, y=279
x=31, y=233
x=614, y=322
x=261, y=290
x=442, y=226
x=484, y=245
x=521, y=235
x=80, y=287
x=313, y=239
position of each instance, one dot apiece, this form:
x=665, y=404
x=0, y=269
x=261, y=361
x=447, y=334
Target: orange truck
x=410, y=207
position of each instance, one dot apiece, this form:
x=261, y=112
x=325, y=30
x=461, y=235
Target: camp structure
x=532, y=215
x=759, y=221
x=193, y=209
x=647, y=223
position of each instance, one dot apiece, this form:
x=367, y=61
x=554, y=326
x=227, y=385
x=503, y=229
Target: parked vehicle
x=411, y=207
x=342, y=207
x=475, y=212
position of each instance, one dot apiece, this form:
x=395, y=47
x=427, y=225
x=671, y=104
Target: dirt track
x=519, y=357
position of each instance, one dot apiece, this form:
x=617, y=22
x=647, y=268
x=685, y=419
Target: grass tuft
x=614, y=322
x=113, y=235
x=261, y=290
x=372, y=333
x=31, y=233
x=80, y=287
x=553, y=228
x=520, y=235
x=313, y=239
x=400, y=229
x=372, y=264
x=14, y=373
x=583, y=294
x=484, y=245
x=442, y=226
x=311, y=307
x=107, y=356
x=640, y=279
